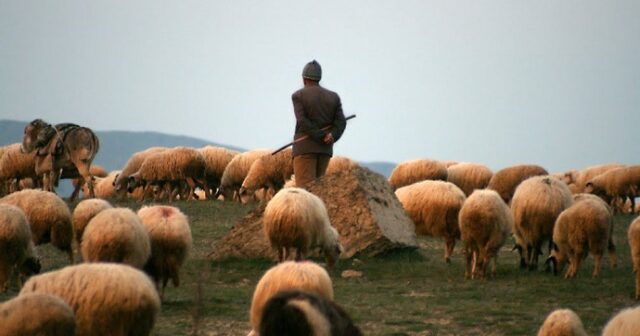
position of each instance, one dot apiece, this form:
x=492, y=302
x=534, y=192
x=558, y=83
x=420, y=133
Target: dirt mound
x=361, y=206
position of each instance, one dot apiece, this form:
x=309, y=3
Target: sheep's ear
x=554, y=264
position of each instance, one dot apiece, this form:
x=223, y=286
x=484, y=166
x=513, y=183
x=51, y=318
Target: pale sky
x=556, y=83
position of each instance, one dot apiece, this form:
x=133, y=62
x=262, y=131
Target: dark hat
x=312, y=71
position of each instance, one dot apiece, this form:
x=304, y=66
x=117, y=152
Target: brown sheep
x=634, y=246
x=131, y=166
x=269, y=172
x=618, y=183
x=235, y=173
x=409, y=172
x=506, y=180
x=585, y=175
x=37, y=314
x=216, y=160
x=84, y=212
x=17, y=252
x=469, y=176
x=562, y=322
x=15, y=166
x=624, y=323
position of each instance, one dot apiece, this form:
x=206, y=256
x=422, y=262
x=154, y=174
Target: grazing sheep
x=297, y=219
x=132, y=166
x=95, y=171
x=340, y=163
x=37, y=314
x=268, y=172
x=84, y=212
x=506, y=180
x=16, y=248
x=586, y=174
x=581, y=228
x=293, y=313
x=536, y=204
x=303, y=275
x=469, y=176
x=116, y=235
x=634, y=246
x=236, y=171
x=562, y=322
x=611, y=246
x=15, y=165
x=216, y=160
x=107, y=299
x=617, y=183
x=624, y=323
x=485, y=223
x=434, y=206
x=103, y=187
x=409, y=172
x=171, y=241
x=48, y=216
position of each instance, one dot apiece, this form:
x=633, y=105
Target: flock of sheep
x=571, y=213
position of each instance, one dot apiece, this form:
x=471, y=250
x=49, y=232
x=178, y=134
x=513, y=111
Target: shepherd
x=320, y=123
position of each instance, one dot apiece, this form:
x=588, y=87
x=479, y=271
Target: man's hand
x=328, y=139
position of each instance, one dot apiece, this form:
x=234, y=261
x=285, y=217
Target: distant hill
x=382, y=168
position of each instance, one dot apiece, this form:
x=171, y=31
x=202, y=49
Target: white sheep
x=17, y=253
x=585, y=175
x=433, y=206
x=171, y=241
x=339, y=163
x=506, y=180
x=562, y=322
x=581, y=229
x=216, y=160
x=624, y=323
x=633, y=234
x=48, y=215
x=269, y=172
x=469, y=176
x=304, y=275
x=15, y=166
x=107, y=299
x=116, y=235
x=409, y=172
x=536, y=204
x=236, y=171
x=485, y=223
x=297, y=219
x=84, y=212
x=37, y=314
x=131, y=166
x=617, y=183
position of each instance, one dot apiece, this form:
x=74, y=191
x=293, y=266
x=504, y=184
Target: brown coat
x=316, y=107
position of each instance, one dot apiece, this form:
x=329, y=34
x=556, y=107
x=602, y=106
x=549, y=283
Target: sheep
x=170, y=236
x=298, y=219
x=84, y=212
x=107, y=299
x=48, y=215
x=586, y=174
x=95, y=171
x=506, y=180
x=15, y=165
x=485, y=223
x=434, y=206
x=624, y=323
x=469, y=176
x=409, y=172
x=449, y=163
x=103, y=187
x=297, y=312
x=268, y=172
x=562, y=322
x=581, y=228
x=216, y=160
x=611, y=246
x=304, y=275
x=116, y=235
x=536, y=204
x=236, y=171
x=37, y=314
x=633, y=234
x=340, y=163
x=173, y=166
x=616, y=183
x=17, y=251
x=131, y=166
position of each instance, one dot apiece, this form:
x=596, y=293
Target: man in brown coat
x=315, y=108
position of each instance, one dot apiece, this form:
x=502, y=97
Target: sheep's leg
x=449, y=244
x=637, y=285
x=192, y=188
x=613, y=257
x=468, y=269
x=596, y=265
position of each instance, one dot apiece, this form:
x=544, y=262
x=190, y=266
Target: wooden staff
x=307, y=136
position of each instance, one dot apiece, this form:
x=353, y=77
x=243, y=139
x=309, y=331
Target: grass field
x=406, y=293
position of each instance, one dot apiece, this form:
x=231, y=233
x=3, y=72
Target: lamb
x=236, y=171
x=298, y=219
x=107, y=299
x=616, y=183
x=562, y=322
x=84, y=212
x=634, y=246
x=116, y=235
x=216, y=160
x=469, y=176
x=536, y=204
x=506, y=180
x=103, y=187
x=485, y=223
x=409, y=172
x=340, y=163
x=586, y=174
x=268, y=172
x=15, y=165
x=16, y=248
x=624, y=323
x=304, y=275
x=48, y=215
x=171, y=241
x=581, y=228
x=132, y=166
x=433, y=206
x=37, y=314
x=300, y=313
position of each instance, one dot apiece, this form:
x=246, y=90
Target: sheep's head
x=134, y=181
x=333, y=249
x=36, y=134
x=225, y=192
x=555, y=260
